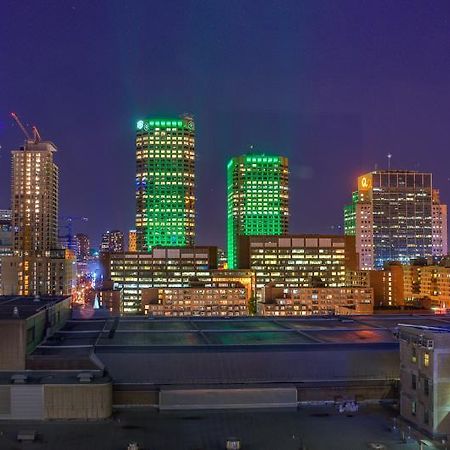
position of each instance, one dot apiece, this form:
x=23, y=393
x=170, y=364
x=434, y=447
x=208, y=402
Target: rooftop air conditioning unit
x=85, y=377
x=19, y=378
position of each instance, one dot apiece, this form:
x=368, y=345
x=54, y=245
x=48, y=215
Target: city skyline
x=319, y=99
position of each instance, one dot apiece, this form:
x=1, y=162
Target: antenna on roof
x=389, y=156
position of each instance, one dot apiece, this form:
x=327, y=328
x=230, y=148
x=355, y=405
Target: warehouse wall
x=82, y=401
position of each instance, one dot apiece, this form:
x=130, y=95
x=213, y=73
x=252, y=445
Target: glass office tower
x=165, y=182
x=258, y=199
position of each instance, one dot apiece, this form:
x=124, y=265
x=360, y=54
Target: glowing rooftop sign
x=163, y=123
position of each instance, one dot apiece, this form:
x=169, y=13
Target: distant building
x=396, y=216
x=165, y=182
x=6, y=245
x=293, y=261
x=132, y=241
x=425, y=378
x=83, y=246
x=257, y=199
x=440, y=231
x=218, y=300
x=112, y=242
x=307, y=301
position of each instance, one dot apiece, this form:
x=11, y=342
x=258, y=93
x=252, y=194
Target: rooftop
x=26, y=306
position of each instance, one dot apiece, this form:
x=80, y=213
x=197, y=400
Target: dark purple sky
x=333, y=85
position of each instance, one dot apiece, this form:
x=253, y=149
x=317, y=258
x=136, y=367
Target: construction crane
x=36, y=135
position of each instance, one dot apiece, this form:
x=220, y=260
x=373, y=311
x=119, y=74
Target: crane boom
x=24, y=130
x=36, y=135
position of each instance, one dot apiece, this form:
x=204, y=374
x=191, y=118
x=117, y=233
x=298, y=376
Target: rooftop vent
x=16, y=312
x=19, y=378
x=37, y=298
x=85, y=377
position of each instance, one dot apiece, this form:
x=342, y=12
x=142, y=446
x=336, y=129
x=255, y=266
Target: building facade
x=440, y=230
x=132, y=241
x=6, y=242
x=82, y=246
x=425, y=378
x=298, y=260
x=165, y=183
x=38, y=265
x=34, y=198
x=217, y=300
x=162, y=268
x=308, y=301
x=112, y=242
x=257, y=199
x=394, y=218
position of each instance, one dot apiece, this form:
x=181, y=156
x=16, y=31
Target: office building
x=165, y=183
x=112, y=242
x=257, y=199
x=132, y=241
x=82, y=246
x=217, y=300
x=309, y=301
x=425, y=377
x=393, y=218
x=162, y=268
x=298, y=260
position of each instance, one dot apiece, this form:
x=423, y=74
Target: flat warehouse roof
x=26, y=306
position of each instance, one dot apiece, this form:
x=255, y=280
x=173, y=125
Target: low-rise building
x=218, y=300
x=307, y=301
x=298, y=260
x=425, y=377
x=25, y=322
x=170, y=267
x=51, y=274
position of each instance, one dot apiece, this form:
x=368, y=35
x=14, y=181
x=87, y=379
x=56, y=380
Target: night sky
x=333, y=85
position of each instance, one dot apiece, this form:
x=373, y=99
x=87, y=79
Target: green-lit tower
x=350, y=216
x=165, y=182
x=258, y=199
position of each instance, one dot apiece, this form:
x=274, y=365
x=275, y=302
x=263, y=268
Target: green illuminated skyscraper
x=165, y=182
x=258, y=199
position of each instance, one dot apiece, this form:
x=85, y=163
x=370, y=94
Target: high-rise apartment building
x=258, y=199
x=112, y=242
x=34, y=198
x=393, y=218
x=37, y=265
x=165, y=183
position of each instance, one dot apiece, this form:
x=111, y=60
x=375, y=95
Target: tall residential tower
x=258, y=199
x=165, y=182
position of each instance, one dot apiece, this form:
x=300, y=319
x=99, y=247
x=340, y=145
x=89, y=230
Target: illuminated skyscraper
x=37, y=265
x=34, y=199
x=165, y=182
x=258, y=199
x=132, y=242
x=397, y=217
